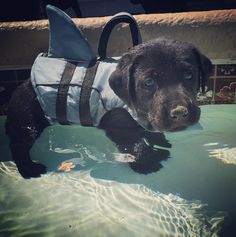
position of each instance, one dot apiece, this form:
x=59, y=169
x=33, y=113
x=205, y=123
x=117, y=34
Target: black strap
x=122, y=17
x=84, y=106
x=61, y=102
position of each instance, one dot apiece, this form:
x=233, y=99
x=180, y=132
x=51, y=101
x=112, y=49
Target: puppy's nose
x=180, y=112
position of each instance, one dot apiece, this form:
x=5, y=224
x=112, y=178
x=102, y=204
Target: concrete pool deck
x=213, y=32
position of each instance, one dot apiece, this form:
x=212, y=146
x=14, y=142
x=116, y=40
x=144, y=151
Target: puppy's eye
x=149, y=83
x=188, y=75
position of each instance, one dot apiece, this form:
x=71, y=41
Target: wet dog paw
x=31, y=169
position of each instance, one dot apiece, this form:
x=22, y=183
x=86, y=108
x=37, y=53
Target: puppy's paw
x=31, y=169
x=145, y=166
x=148, y=160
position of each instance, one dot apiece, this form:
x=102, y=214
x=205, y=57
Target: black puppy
x=158, y=80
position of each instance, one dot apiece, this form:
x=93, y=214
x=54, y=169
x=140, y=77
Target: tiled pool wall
x=213, y=32
x=221, y=88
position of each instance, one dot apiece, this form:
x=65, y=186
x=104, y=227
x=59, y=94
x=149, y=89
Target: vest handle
x=122, y=17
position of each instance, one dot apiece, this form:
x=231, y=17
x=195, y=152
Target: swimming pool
x=193, y=194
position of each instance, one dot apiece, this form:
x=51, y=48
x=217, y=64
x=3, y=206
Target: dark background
x=21, y=10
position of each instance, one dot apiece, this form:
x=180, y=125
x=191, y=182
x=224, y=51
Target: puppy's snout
x=180, y=112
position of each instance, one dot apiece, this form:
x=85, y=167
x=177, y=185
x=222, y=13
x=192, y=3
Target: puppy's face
x=159, y=80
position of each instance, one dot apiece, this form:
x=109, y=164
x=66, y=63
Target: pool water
x=98, y=194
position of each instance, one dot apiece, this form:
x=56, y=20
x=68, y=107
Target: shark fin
x=66, y=39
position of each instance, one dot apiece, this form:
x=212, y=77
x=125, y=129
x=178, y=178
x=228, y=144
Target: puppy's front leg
x=25, y=122
x=130, y=138
x=21, y=141
x=147, y=157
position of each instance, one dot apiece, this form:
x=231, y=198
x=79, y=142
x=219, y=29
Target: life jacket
x=72, y=85
x=46, y=74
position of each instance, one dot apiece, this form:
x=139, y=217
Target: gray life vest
x=71, y=83
x=46, y=76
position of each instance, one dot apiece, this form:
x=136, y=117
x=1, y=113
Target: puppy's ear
x=205, y=68
x=122, y=81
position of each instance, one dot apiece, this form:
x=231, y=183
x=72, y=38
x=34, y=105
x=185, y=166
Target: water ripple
x=75, y=204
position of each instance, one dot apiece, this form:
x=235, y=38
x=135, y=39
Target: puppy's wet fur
x=159, y=80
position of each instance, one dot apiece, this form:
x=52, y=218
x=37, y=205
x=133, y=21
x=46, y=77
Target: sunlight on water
x=226, y=155
x=76, y=203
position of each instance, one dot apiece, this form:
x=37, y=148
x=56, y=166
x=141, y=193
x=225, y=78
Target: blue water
x=193, y=194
